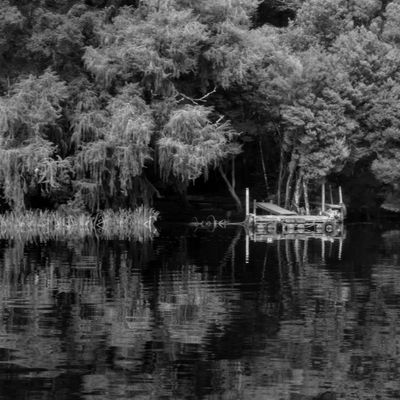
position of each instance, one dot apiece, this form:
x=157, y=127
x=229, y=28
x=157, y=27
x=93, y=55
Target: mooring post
x=340, y=248
x=323, y=197
x=247, y=256
x=247, y=203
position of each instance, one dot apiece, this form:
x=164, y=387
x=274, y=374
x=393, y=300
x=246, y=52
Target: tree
x=148, y=46
x=191, y=144
x=32, y=107
x=113, y=147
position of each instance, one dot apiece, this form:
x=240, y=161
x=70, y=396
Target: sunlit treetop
x=162, y=45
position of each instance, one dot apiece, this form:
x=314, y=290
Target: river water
x=193, y=315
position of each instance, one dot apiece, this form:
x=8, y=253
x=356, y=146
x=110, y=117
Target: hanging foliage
x=31, y=166
x=32, y=106
x=191, y=144
x=121, y=148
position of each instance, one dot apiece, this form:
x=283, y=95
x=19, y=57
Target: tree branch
x=196, y=101
x=207, y=94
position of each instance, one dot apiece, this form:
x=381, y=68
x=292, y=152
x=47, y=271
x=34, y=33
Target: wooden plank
x=293, y=219
x=274, y=209
x=301, y=236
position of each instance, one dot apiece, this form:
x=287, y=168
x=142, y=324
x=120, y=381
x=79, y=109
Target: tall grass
x=137, y=224
x=123, y=223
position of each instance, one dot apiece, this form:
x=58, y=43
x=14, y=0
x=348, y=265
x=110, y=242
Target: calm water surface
x=186, y=317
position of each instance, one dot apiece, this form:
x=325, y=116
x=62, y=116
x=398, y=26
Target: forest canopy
x=111, y=103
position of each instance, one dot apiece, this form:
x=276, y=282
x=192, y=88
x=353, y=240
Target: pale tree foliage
x=89, y=119
x=316, y=136
x=372, y=67
x=324, y=21
x=32, y=107
x=364, y=12
x=190, y=144
x=315, y=118
x=151, y=44
x=118, y=148
x=387, y=169
x=236, y=54
x=355, y=110
x=385, y=134
x=366, y=59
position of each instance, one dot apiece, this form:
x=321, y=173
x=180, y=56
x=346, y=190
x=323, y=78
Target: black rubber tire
x=329, y=227
x=271, y=228
x=301, y=228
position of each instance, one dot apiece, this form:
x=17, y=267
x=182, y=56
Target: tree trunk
x=297, y=192
x=280, y=178
x=292, y=169
x=305, y=191
x=263, y=165
x=289, y=186
x=231, y=190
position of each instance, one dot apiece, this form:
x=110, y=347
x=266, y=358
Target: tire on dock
x=271, y=227
x=300, y=228
x=329, y=227
x=288, y=228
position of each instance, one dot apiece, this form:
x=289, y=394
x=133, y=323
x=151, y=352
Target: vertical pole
x=323, y=197
x=340, y=248
x=331, y=194
x=247, y=203
x=340, y=195
x=254, y=207
x=323, y=250
x=247, y=257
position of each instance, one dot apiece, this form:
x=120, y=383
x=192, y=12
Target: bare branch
x=207, y=94
x=186, y=97
x=220, y=119
x=196, y=101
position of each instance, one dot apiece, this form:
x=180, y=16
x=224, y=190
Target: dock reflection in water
x=185, y=316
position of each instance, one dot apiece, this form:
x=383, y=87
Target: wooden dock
x=272, y=220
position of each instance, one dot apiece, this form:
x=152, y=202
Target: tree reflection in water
x=184, y=316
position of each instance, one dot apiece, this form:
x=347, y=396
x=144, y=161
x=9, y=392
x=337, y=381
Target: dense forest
x=115, y=103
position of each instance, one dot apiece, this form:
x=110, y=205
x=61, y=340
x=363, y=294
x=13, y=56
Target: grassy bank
x=136, y=224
